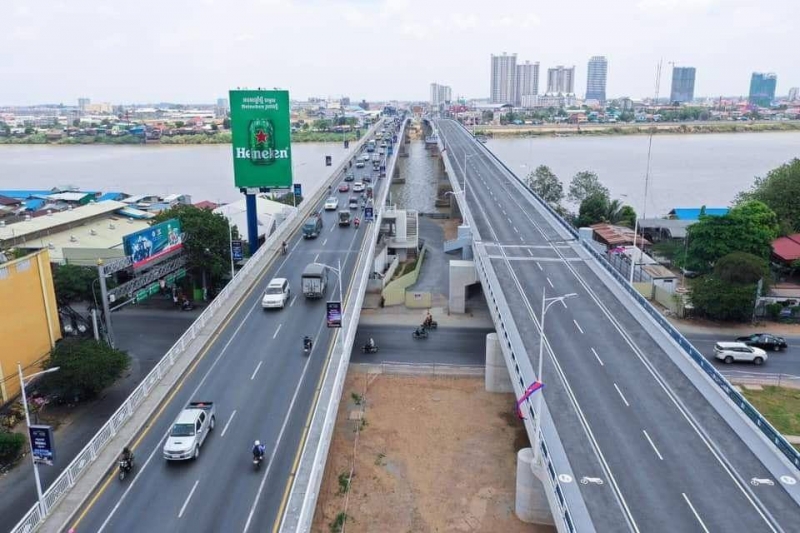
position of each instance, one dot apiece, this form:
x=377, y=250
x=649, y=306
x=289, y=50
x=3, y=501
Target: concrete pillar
x=465, y=234
x=530, y=504
x=496, y=377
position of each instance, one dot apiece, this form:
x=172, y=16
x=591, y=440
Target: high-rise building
x=682, y=84
x=561, y=80
x=527, y=81
x=762, y=88
x=83, y=103
x=596, y=79
x=794, y=94
x=504, y=79
x=440, y=94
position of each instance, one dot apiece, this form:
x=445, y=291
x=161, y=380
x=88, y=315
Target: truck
x=314, y=280
x=344, y=217
x=189, y=431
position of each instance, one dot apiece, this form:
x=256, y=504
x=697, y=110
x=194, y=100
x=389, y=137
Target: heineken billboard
x=261, y=131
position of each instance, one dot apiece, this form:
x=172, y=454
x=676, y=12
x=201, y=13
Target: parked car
x=276, y=294
x=344, y=187
x=739, y=352
x=765, y=341
x=332, y=204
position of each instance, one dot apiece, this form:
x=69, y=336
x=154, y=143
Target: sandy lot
x=432, y=454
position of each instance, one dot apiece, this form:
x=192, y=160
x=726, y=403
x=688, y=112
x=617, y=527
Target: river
x=686, y=170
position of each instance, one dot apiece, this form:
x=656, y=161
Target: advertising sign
x=369, y=215
x=298, y=190
x=334, y=314
x=43, y=444
x=261, y=132
x=328, y=161
x=237, y=250
x=153, y=243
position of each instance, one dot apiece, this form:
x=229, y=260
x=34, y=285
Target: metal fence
x=741, y=402
x=59, y=488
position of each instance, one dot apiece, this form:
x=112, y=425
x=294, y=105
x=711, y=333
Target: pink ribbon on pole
x=530, y=390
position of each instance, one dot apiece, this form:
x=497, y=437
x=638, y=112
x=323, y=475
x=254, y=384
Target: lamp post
x=101, y=274
x=338, y=276
x=546, y=303
x=42, y=507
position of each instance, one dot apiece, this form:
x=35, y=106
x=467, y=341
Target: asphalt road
x=450, y=346
x=618, y=401
x=784, y=362
x=263, y=388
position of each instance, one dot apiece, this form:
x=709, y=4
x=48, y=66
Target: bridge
x=636, y=434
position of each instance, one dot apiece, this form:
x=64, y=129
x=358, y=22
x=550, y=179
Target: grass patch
x=780, y=405
x=339, y=522
x=344, y=482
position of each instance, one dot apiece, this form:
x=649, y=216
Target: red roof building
x=787, y=249
x=205, y=204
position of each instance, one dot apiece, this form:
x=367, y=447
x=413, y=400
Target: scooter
x=369, y=349
x=307, y=346
x=125, y=467
x=430, y=325
x=421, y=334
x=257, y=459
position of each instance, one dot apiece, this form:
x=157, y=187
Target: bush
x=10, y=446
x=773, y=310
x=86, y=367
x=719, y=300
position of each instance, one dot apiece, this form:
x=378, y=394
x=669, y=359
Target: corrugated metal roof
x=675, y=227
x=33, y=205
x=22, y=194
x=106, y=233
x=118, y=196
x=613, y=235
x=787, y=248
x=693, y=213
x=71, y=216
x=68, y=196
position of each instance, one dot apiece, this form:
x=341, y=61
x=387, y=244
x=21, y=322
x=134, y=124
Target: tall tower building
x=762, y=88
x=561, y=80
x=440, y=94
x=794, y=94
x=596, y=79
x=527, y=81
x=682, y=85
x=504, y=79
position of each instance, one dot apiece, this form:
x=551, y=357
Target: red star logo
x=261, y=137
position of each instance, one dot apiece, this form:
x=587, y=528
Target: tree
x=780, y=190
x=585, y=184
x=592, y=210
x=73, y=283
x=76, y=123
x=180, y=124
x=717, y=299
x=626, y=216
x=214, y=127
x=749, y=227
x=741, y=268
x=546, y=184
x=226, y=123
x=487, y=116
x=321, y=124
x=206, y=239
x=86, y=367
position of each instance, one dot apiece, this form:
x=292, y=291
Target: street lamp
x=339, y=277
x=22, y=379
x=546, y=303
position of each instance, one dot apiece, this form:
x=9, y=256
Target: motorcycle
x=307, y=345
x=420, y=333
x=125, y=467
x=257, y=459
x=430, y=324
x=367, y=348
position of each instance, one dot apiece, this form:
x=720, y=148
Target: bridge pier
x=462, y=273
x=530, y=505
x=496, y=378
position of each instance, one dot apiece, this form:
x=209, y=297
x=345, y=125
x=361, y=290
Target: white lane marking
x=332, y=228
x=258, y=366
x=619, y=391
x=685, y=497
x=515, y=229
x=564, y=303
x=325, y=241
x=509, y=220
x=530, y=253
x=652, y=444
x=315, y=258
x=292, y=302
x=551, y=285
x=279, y=328
x=577, y=325
x=228, y=423
x=598, y=358
x=538, y=265
x=189, y=497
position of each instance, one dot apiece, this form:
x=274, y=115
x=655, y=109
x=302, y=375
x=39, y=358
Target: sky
x=194, y=51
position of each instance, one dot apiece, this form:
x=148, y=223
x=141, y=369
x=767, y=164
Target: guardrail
x=64, y=482
x=302, y=502
x=738, y=399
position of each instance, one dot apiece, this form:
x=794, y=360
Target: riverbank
x=568, y=130
x=223, y=137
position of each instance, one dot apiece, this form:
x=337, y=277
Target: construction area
x=421, y=453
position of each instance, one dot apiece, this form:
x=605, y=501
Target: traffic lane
x=782, y=362
x=659, y=425
x=725, y=442
x=451, y=346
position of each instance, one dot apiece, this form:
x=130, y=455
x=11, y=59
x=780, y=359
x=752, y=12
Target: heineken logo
x=266, y=155
x=261, y=137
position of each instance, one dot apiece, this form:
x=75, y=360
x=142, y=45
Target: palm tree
x=614, y=213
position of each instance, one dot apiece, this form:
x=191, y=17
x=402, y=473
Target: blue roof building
x=116, y=196
x=25, y=194
x=693, y=213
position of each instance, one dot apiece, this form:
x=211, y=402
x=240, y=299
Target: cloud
x=660, y=6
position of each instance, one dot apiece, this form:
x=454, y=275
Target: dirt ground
x=432, y=454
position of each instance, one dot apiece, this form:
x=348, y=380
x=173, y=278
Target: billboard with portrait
x=155, y=242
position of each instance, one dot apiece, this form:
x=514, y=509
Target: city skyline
x=596, y=79
x=202, y=49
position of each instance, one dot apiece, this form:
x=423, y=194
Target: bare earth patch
x=432, y=454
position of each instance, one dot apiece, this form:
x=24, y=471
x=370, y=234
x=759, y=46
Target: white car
x=358, y=187
x=276, y=294
x=360, y=164
x=332, y=204
x=365, y=157
x=740, y=352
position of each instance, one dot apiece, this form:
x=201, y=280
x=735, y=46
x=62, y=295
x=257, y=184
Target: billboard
x=334, y=314
x=261, y=132
x=153, y=243
x=42, y=444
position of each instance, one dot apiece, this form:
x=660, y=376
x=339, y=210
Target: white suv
x=276, y=294
x=739, y=351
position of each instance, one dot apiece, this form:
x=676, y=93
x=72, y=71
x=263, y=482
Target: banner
x=334, y=314
x=261, y=132
x=42, y=444
x=237, y=250
x=153, y=243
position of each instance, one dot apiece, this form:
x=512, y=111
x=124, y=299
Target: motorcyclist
x=283, y=247
x=419, y=332
x=357, y=221
x=127, y=458
x=258, y=450
x=307, y=343
x=370, y=346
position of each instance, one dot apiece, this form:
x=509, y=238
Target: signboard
x=42, y=444
x=237, y=250
x=328, y=161
x=369, y=215
x=334, y=314
x=261, y=132
x=298, y=190
x=153, y=243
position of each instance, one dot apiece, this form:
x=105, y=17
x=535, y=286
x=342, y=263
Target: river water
x=686, y=170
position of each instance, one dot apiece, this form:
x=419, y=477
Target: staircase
x=412, y=220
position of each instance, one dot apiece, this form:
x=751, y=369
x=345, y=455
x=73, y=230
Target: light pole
x=42, y=507
x=101, y=274
x=546, y=303
x=339, y=277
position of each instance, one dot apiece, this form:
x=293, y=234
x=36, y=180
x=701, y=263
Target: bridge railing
x=773, y=435
x=64, y=482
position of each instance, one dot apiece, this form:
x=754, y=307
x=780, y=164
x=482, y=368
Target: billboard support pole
x=252, y=223
x=104, y=297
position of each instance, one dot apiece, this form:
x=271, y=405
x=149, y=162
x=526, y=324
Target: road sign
x=298, y=190
x=237, y=250
x=42, y=444
x=334, y=314
x=369, y=214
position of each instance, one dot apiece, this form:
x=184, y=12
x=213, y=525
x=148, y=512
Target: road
x=450, y=346
x=624, y=412
x=785, y=362
x=263, y=388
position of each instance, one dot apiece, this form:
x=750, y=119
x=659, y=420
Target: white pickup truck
x=189, y=431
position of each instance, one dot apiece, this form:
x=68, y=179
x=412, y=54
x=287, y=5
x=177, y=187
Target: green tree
x=73, y=283
x=546, y=184
x=76, y=123
x=717, y=299
x=29, y=130
x=226, y=123
x=780, y=190
x=749, y=227
x=321, y=124
x=86, y=367
x=741, y=268
x=487, y=116
x=180, y=124
x=592, y=210
x=626, y=216
x=585, y=184
x=206, y=237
